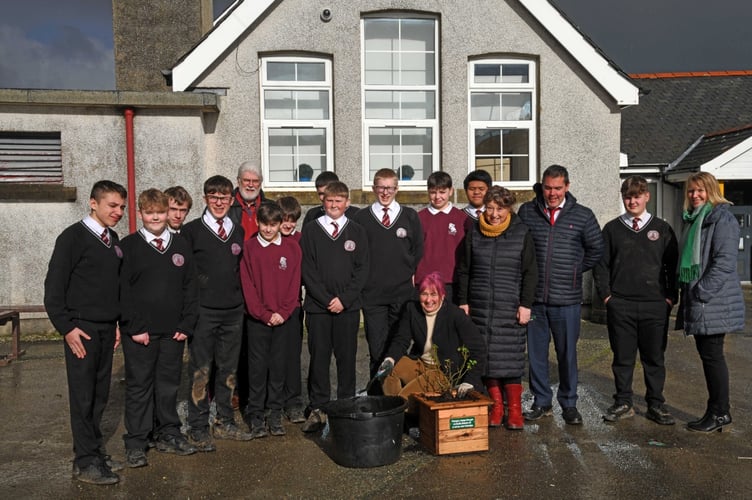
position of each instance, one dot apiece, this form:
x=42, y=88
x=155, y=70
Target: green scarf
x=689, y=263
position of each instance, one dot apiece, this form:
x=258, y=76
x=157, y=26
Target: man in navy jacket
x=568, y=242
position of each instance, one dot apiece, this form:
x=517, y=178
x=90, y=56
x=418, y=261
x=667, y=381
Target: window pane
x=394, y=147
x=417, y=105
x=289, y=148
x=311, y=72
x=417, y=35
x=516, y=106
x=519, y=169
x=381, y=34
x=312, y=105
x=380, y=104
x=485, y=106
x=380, y=68
x=487, y=73
x=516, y=141
x=488, y=142
x=281, y=169
x=515, y=73
x=278, y=104
x=281, y=142
x=296, y=104
x=417, y=69
x=280, y=71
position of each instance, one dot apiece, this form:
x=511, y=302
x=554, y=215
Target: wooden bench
x=15, y=318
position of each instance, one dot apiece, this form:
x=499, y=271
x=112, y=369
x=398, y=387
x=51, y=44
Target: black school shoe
x=571, y=416
x=135, y=458
x=177, y=445
x=95, y=473
x=618, y=411
x=660, y=415
x=711, y=422
x=537, y=412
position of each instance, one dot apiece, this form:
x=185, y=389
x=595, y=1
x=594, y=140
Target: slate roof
x=711, y=146
x=678, y=108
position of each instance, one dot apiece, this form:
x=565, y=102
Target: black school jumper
x=217, y=339
x=395, y=253
x=159, y=297
x=333, y=267
x=81, y=290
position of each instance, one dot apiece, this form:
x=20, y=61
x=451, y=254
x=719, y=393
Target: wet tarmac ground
x=634, y=458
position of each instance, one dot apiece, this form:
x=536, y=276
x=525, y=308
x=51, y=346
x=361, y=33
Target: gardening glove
x=463, y=389
x=385, y=369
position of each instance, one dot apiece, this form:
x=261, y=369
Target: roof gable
x=244, y=14
x=678, y=108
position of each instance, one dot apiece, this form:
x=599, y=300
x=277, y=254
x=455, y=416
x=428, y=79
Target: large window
x=400, y=97
x=296, y=120
x=502, y=120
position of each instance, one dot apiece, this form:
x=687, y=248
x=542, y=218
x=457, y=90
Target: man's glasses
x=385, y=189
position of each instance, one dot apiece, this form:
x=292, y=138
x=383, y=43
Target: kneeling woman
x=497, y=278
x=428, y=322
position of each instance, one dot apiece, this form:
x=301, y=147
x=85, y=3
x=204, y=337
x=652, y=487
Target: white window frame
x=530, y=125
x=369, y=123
x=278, y=124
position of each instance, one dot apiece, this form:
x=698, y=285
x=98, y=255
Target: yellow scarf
x=493, y=231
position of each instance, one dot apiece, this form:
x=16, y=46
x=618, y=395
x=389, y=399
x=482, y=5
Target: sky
x=67, y=44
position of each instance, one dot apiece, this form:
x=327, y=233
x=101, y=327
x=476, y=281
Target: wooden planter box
x=454, y=426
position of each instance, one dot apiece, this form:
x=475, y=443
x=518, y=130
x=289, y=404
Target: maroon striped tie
x=105, y=237
x=336, y=229
x=221, y=232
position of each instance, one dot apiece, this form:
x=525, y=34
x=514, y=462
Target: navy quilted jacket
x=565, y=250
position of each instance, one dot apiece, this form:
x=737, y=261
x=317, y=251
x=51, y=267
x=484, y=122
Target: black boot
x=698, y=420
x=711, y=422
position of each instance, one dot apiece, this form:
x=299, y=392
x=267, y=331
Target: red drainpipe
x=131, y=169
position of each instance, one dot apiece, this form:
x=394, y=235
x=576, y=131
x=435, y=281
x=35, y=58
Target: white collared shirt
x=378, y=210
x=211, y=221
x=96, y=227
x=276, y=241
x=326, y=222
x=644, y=219
x=149, y=237
x=433, y=211
x=558, y=210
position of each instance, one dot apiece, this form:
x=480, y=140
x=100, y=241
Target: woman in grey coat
x=712, y=304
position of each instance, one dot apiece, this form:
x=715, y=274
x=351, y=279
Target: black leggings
x=710, y=348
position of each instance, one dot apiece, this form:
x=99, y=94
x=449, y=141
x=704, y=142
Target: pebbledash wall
x=184, y=137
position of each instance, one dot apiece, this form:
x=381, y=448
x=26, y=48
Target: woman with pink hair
x=431, y=321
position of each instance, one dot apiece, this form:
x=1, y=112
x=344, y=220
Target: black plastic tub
x=366, y=431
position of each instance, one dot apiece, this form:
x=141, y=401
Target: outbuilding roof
x=677, y=109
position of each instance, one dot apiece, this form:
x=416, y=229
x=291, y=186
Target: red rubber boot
x=515, y=420
x=496, y=413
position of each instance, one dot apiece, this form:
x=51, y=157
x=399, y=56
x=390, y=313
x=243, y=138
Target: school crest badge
x=178, y=259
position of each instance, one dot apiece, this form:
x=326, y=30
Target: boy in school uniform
x=81, y=297
x=180, y=203
x=321, y=181
x=443, y=233
x=293, y=400
x=270, y=274
x=636, y=279
x=395, y=243
x=217, y=245
x=476, y=184
x=335, y=269
x=159, y=300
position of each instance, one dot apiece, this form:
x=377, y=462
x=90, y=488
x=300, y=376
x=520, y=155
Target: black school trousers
x=89, y=390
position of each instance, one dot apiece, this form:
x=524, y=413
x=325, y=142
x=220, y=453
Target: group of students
x=236, y=272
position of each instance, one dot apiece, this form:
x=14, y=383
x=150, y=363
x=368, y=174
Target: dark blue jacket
x=565, y=250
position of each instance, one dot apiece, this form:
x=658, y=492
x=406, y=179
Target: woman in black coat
x=496, y=287
x=423, y=324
